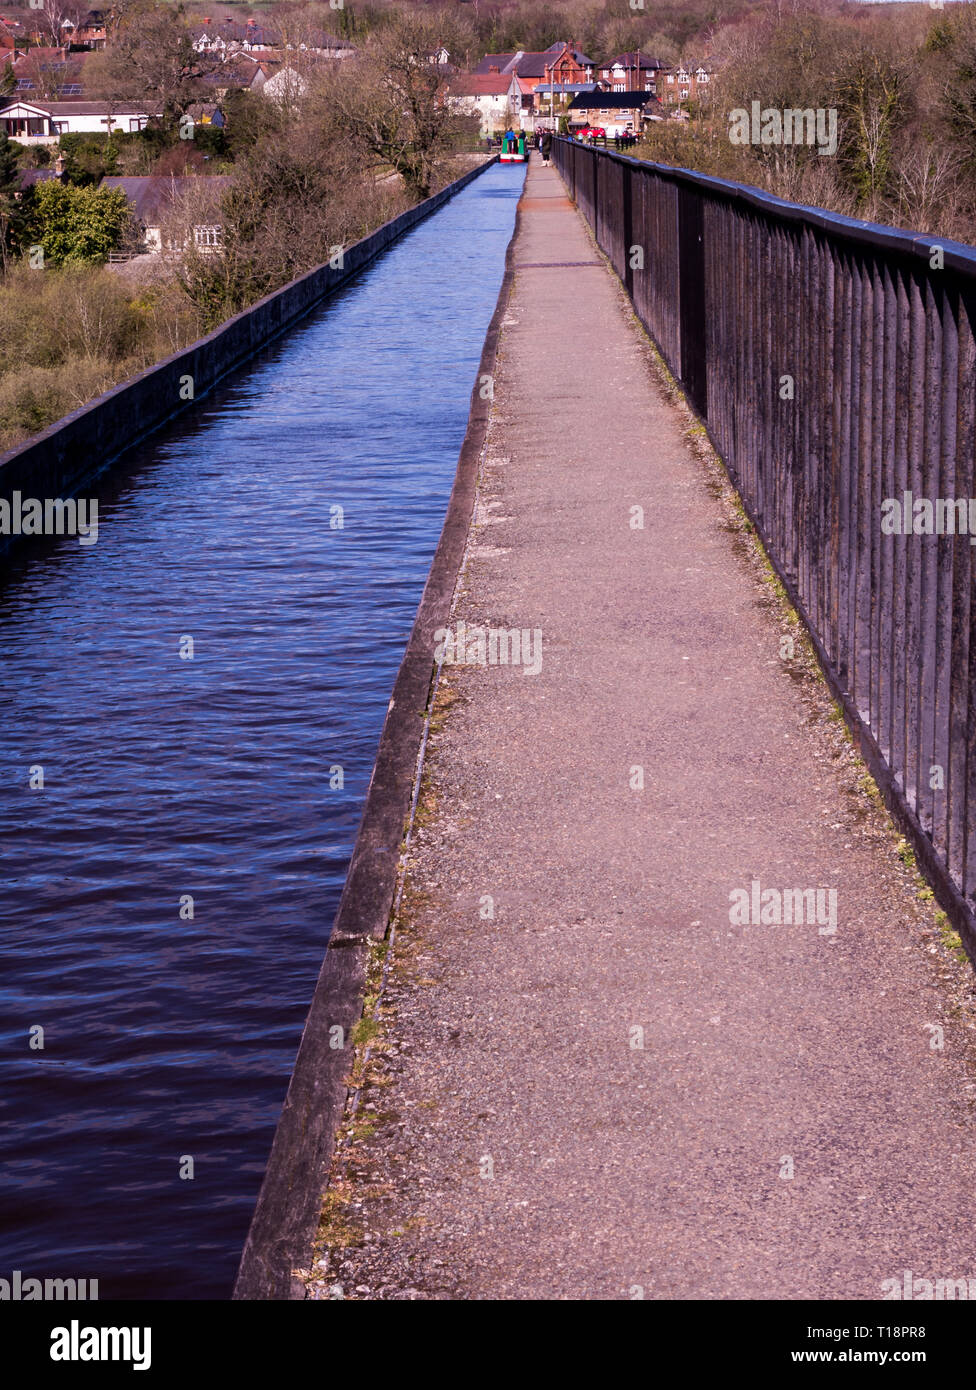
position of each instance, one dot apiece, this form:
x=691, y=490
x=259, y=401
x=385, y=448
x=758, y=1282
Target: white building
x=489, y=96
x=285, y=86
x=43, y=122
x=173, y=211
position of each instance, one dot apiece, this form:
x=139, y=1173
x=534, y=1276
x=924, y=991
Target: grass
x=950, y=938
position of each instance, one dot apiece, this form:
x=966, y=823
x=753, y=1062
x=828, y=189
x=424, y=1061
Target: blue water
x=168, y=1039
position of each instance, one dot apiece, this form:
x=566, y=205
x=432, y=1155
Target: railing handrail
x=955, y=254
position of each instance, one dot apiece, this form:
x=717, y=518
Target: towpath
x=589, y=1081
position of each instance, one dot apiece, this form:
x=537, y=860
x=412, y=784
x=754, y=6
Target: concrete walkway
x=786, y=1130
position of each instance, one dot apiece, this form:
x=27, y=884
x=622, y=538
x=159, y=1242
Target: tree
x=955, y=43
x=152, y=60
x=10, y=213
x=48, y=78
x=391, y=105
x=293, y=204
x=53, y=15
x=872, y=99
x=77, y=224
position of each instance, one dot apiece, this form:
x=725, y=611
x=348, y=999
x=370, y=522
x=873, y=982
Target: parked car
x=591, y=132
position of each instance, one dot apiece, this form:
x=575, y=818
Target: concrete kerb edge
x=947, y=894
x=287, y=1213
x=72, y=452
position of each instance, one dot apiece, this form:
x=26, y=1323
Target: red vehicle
x=592, y=132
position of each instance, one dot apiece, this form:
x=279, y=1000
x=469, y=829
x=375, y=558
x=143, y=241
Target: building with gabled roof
x=39, y=122
x=483, y=94
x=617, y=113
x=631, y=72
x=155, y=201
x=559, y=63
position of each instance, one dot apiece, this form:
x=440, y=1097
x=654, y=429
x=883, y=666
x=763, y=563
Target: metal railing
x=832, y=362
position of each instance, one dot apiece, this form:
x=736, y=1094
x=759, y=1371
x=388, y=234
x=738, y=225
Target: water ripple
x=166, y=1037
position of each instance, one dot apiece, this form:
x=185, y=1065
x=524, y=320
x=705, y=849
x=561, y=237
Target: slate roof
x=152, y=194
x=530, y=64
x=478, y=84
x=629, y=60
x=610, y=101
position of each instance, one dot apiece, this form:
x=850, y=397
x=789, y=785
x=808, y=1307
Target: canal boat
x=513, y=149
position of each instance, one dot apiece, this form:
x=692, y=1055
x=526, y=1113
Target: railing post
x=628, y=228
x=691, y=296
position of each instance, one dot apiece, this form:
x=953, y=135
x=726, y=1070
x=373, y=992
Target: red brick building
x=561, y=63
x=631, y=72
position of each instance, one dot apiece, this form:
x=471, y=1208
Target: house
x=29, y=178
x=49, y=73
x=282, y=82
x=38, y=122
x=615, y=112
x=686, y=82
x=228, y=36
x=631, y=72
x=221, y=39
x=89, y=32
x=206, y=113
x=559, y=63
x=551, y=100
x=486, y=95
x=328, y=46
x=241, y=72
x=166, y=208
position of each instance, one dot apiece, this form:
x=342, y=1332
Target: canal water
x=168, y=1040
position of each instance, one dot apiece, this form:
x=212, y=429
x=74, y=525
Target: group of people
x=513, y=143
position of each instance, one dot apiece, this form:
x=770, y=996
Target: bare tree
x=55, y=14
x=872, y=97
x=152, y=59
x=926, y=180
x=390, y=102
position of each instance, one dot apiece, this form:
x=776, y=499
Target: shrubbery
x=68, y=335
x=76, y=224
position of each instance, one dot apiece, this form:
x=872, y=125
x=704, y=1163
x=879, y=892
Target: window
x=670, y=76
x=619, y=87
x=207, y=236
